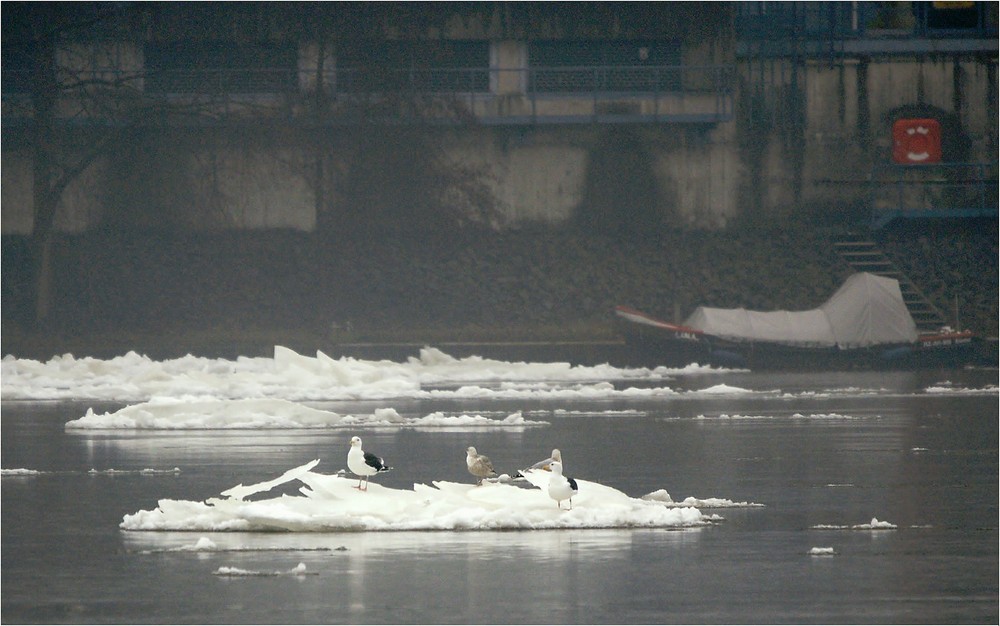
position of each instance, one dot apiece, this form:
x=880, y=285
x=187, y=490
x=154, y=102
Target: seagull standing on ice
x=547, y=463
x=561, y=487
x=364, y=464
x=479, y=465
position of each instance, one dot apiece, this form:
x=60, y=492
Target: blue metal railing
x=933, y=190
x=852, y=20
x=697, y=93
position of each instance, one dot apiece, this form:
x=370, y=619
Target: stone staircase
x=864, y=255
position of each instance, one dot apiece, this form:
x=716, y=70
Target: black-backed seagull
x=479, y=465
x=561, y=487
x=364, y=464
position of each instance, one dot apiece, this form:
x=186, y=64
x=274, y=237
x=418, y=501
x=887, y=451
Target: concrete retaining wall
x=806, y=145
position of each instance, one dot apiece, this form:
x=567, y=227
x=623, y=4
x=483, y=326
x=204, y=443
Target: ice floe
x=332, y=503
x=298, y=570
x=875, y=524
x=213, y=414
x=292, y=376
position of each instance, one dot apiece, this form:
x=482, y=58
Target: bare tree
x=379, y=122
x=75, y=113
x=81, y=110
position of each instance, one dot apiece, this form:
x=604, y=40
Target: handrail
x=573, y=79
x=641, y=91
x=849, y=20
x=932, y=190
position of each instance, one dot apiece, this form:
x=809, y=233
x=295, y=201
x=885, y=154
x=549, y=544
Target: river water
x=918, y=451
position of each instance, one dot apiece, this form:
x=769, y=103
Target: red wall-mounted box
x=916, y=141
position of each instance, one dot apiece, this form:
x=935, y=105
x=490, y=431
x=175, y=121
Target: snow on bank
x=332, y=503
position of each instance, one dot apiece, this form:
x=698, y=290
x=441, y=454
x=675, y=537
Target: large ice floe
x=432, y=375
x=333, y=503
x=292, y=376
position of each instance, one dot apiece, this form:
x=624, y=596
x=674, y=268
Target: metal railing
x=933, y=190
x=853, y=20
x=492, y=95
x=220, y=81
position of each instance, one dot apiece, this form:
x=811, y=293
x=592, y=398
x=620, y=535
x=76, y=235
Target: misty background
x=210, y=177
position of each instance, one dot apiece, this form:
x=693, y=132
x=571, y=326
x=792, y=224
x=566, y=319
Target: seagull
x=364, y=464
x=541, y=465
x=545, y=465
x=479, y=465
x=561, y=487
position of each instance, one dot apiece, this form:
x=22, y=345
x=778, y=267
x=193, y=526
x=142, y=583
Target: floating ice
x=722, y=389
x=209, y=413
x=298, y=570
x=295, y=377
x=661, y=496
x=875, y=524
x=20, y=471
x=92, y=472
x=289, y=375
x=332, y=503
x=794, y=416
x=822, y=552
x=947, y=388
x=145, y=472
x=204, y=544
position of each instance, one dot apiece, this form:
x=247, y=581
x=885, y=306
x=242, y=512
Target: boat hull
x=655, y=342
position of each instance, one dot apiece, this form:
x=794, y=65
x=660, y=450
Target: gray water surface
x=927, y=463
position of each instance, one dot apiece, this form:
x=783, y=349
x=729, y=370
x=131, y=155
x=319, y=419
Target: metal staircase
x=864, y=255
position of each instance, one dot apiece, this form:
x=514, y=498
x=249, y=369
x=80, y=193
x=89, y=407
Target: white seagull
x=364, y=464
x=479, y=465
x=561, y=487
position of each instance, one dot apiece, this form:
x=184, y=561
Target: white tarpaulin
x=867, y=310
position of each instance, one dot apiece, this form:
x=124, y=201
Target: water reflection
x=542, y=546
x=444, y=577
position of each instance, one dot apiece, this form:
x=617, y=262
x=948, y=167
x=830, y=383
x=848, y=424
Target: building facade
x=621, y=116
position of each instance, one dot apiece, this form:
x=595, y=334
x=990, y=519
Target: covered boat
x=864, y=324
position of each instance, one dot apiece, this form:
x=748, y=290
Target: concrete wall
x=261, y=189
x=808, y=148
x=537, y=177
x=846, y=121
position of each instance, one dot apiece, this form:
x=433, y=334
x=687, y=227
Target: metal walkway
x=864, y=255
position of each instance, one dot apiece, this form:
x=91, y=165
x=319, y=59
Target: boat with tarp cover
x=865, y=324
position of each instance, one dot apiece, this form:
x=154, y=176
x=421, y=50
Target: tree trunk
x=323, y=221
x=43, y=280
x=44, y=93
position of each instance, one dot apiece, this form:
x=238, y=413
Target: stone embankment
x=187, y=293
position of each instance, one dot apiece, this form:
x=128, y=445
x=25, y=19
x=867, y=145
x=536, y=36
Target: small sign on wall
x=916, y=141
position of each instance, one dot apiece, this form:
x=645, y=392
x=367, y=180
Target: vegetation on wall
x=620, y=195
x=151, y=184
x=401, y=178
